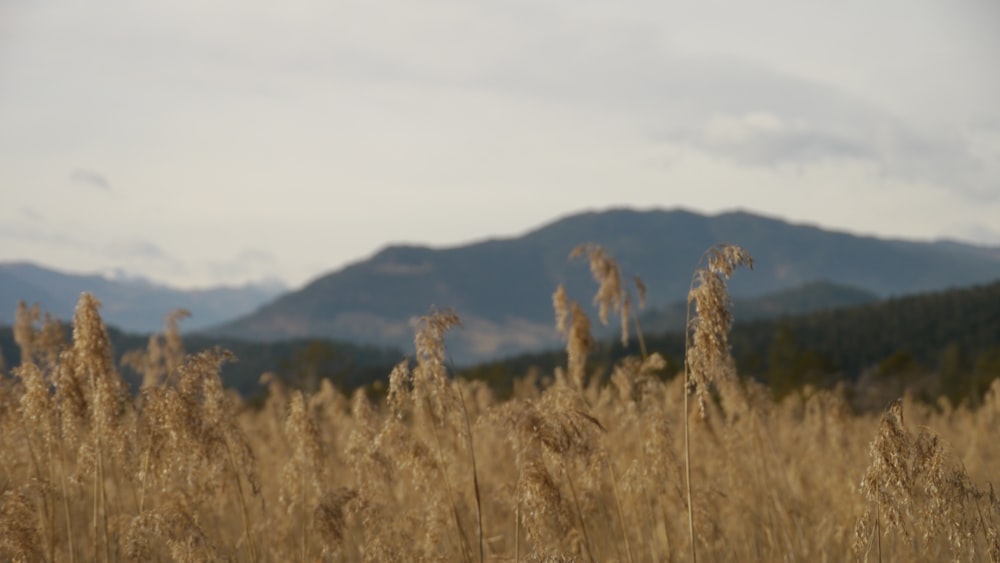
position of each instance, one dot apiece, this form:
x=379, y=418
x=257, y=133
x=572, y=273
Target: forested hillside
x=943, y=342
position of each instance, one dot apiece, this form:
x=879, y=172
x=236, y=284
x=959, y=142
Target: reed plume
x=20, y=539
x=914, y=487
x=706, y=348
x=707, y=358
x=612, y=294
x=573, y=324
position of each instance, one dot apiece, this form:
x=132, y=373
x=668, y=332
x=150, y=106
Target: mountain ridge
x=502, y=287
x=134, y=304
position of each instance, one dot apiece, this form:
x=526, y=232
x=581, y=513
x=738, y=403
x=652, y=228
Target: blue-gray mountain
x=502, y=288
x=133, y=305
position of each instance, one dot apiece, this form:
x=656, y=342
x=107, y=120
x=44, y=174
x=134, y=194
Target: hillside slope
x=502, y=288
x=134, y=304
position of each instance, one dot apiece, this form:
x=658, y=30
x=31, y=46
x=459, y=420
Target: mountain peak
x=502, y=288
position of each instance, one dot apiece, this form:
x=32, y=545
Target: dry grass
x=575, y=467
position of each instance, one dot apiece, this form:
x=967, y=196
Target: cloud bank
x=316, y=132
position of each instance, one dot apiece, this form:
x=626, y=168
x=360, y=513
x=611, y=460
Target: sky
x=205, y=142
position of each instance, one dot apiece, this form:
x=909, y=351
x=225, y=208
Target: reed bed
x=576, y=466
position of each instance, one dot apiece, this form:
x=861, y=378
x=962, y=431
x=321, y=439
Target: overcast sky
x=199, y=142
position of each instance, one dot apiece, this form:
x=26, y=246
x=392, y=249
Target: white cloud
x=316, y=132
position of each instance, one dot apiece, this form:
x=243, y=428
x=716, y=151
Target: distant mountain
x=502, y=288
x=135, y=305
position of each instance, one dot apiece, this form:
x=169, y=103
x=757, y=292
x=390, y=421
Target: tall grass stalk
x=621, y=513
x=579, y=514
x=475, y=471
x=244, y=511
x=706, y=346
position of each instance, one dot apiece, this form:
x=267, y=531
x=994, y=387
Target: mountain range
x=502, y=288
x=134, y=305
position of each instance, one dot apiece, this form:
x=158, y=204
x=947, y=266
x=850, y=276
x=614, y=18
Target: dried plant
x=191, y=437
x=918, y=490
x=20, y=539
x=612, y=294
x=330, y=518
x=24, y=329
x=176, y=526
x=303, y=475
x=575, y=466
x=707, y=357
x=706, y=348
x=573, y=324
x=163, y=355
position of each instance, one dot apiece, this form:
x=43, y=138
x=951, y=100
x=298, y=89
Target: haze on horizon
x=204, y=143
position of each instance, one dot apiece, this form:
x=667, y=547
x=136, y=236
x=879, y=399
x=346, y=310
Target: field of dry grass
x=637, y=466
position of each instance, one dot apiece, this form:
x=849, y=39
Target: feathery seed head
x=612, y=295
x=707, y=358
x=36, y=402
x=560, y=302
x=330, y=518
x=24, y=328
x=173, y=348
x=400, y=385
x=640, y=287
x=429, y=339
x=431, y=386
x=576, y=332
x=19, y=536
x=300, y=430
x=174, y=525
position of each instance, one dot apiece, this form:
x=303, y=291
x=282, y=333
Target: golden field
x=635, y=465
